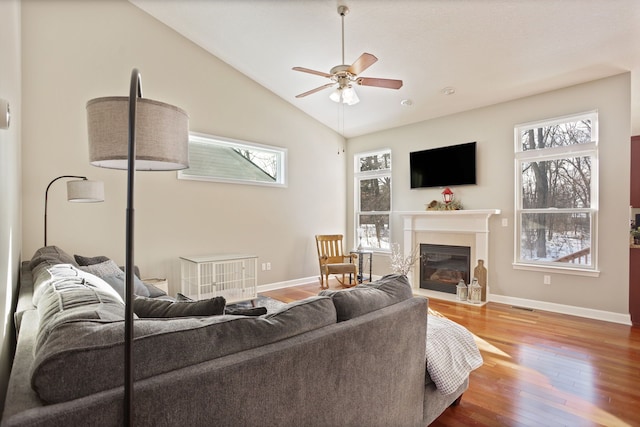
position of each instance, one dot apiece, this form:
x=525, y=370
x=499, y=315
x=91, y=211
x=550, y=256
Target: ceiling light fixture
x=345, y=75
x=449, y=90
x=346, y=95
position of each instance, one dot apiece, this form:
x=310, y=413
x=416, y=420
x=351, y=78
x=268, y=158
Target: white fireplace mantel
x=471, y=222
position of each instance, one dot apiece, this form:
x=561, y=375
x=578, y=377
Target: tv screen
x=443, y=166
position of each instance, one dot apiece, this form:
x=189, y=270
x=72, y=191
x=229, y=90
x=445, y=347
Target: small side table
x=361, y=254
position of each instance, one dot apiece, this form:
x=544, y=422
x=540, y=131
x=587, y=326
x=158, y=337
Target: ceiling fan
x=344, y=76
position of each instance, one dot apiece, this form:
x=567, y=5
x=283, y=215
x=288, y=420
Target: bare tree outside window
x=556, y=208
x=373, y=204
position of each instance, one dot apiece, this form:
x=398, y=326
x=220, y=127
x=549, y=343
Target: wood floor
x=540, y=368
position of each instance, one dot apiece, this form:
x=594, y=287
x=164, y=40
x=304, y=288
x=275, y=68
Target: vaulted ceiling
x=487, y=51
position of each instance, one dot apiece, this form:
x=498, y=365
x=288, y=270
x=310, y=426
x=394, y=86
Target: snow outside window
x=557, y=193
x=373, y=200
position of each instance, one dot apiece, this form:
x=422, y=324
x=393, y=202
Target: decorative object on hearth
x=434, y=205
x=474, y=292
x=401, y=264
x=80, y=190
x=480, y=273
x=345, y=76
x=461, y=291
x=447, y=195
x=157, y=139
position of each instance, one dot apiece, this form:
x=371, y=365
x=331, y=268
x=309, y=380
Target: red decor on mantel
x=447, y=195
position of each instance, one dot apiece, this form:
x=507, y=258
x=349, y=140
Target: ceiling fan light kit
x=346, y=95
x=344, y=76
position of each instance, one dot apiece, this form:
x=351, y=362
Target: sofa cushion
x=150, y=307
x=85, y=260
x=74, y=295
x=114, y=276
x=85, y=356
x=51, y=255
x=368, y=297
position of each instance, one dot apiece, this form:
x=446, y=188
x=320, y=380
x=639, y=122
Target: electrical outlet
x=547, y=279
x=505, y=222
x=268, y=266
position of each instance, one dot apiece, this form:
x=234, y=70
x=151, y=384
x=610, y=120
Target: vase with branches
x=401, y=264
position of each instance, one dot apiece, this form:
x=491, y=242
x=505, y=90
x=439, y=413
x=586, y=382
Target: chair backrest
x=330, y=245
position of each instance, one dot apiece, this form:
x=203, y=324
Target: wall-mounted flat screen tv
x=443, y=166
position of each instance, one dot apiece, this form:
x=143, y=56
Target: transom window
x=213, y=158
x=557, y=201
x=373, y=199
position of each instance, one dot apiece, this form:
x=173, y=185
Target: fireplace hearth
x=443, y=266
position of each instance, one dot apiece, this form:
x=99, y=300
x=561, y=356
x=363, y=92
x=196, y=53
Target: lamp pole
x=46, y=198
x=135, y=92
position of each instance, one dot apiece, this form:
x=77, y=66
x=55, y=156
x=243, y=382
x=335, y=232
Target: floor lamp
x=80, y=190
x=135, y=133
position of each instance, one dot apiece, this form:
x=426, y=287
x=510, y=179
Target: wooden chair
x=332, y=260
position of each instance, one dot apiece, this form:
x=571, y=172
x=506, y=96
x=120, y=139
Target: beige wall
x=74, y=51
x=10, y=229
x=492, y=127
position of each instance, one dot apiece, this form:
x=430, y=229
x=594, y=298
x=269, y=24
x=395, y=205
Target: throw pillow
x=182, y=297
x=365, y=298
x=51, y=255
x=84, y=261
x=154, y=291
x=111, y=273
x=149, y=307
x=245, y=311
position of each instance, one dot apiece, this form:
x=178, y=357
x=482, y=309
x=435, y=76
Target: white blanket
x=451, y=353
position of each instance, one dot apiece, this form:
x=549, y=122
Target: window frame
x=366, y=175
x=589, y=149
x=280, y=152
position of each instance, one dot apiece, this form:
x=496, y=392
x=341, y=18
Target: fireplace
x=443, y=266
x=466, y=227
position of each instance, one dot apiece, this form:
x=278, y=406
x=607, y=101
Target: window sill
x=559, y=270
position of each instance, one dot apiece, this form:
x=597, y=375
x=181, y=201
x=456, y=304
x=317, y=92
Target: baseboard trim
x=607, y=316
x=295, y=282
x=288, y=284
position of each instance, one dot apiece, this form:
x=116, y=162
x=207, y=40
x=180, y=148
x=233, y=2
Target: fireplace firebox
x=443, y=266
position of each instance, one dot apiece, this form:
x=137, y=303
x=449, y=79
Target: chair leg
x=344, y=283
x=324, y=281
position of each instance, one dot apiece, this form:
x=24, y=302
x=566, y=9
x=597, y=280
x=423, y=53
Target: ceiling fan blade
x=318, y=89
x=386, y=83
x=307, y=70
x=365, y=61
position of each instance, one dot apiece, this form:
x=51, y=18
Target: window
x=373, y=199
x=213, y=158
x=557, y=200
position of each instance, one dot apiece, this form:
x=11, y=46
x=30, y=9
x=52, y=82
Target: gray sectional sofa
x=346, y=358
